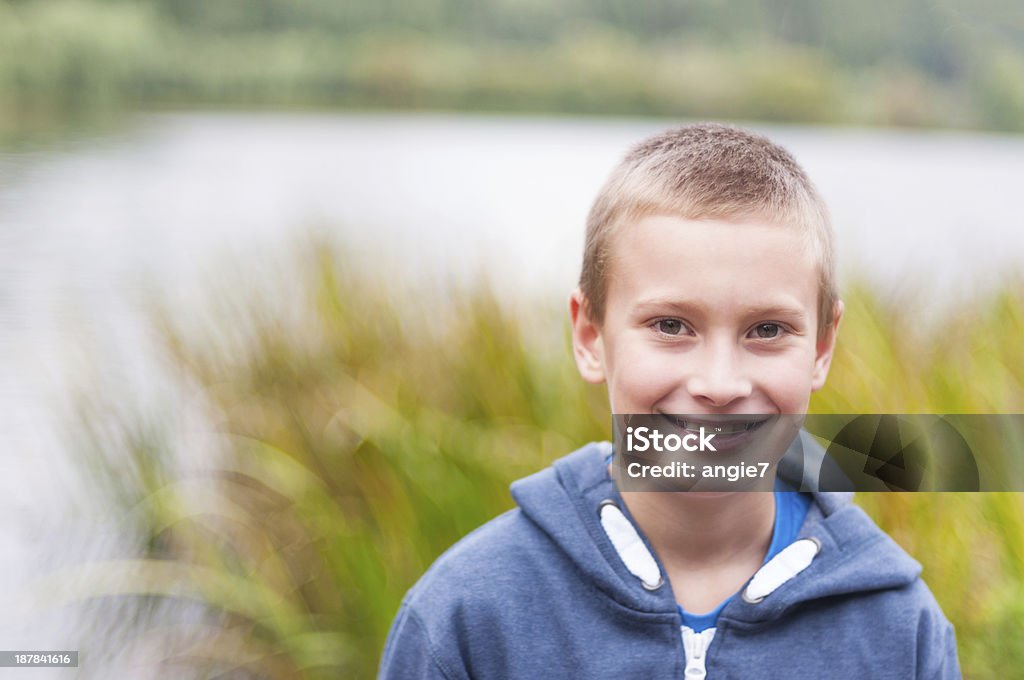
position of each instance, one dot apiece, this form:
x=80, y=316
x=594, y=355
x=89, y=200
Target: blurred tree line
x=898, y=62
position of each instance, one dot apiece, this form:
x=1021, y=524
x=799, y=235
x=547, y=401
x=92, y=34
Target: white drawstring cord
x=641, y=563
x=630, y=547
x=796, y=557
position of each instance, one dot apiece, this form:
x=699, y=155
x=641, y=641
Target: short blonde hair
x=707, y=171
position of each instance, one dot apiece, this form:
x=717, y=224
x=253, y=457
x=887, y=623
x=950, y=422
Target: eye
x=767, y=331
x=670, y=326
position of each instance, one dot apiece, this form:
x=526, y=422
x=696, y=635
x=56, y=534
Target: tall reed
x=378, y=423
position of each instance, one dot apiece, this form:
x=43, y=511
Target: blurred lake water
x=172, y=202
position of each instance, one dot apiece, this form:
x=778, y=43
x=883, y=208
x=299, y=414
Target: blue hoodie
x=565, y=586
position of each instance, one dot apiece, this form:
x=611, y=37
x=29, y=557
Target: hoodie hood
x=854, y=556
x=567, y=586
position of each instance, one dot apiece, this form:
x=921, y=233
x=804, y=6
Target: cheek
x=786, y=380
x=639, y=377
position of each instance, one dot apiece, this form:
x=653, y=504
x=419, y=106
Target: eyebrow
x=662, y=305
x=784, y=311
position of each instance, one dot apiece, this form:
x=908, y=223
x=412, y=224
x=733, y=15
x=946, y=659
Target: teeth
x=717, y=428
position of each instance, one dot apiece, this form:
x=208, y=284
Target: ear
x=587, y=347
x=826, y=346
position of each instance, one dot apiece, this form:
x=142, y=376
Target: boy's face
x=706, y=317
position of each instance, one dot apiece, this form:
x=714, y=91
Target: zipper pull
x=696, y=646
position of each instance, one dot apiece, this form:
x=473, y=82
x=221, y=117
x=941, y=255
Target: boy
x=707, y=295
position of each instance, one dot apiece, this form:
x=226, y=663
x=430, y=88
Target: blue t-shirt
x=790, y=511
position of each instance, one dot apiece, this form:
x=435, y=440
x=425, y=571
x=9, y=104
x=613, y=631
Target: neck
x=700, y=531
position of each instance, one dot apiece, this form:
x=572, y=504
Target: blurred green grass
x=898, y=63
x=384, y=421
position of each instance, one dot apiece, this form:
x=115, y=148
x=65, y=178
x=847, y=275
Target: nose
x=718, y=380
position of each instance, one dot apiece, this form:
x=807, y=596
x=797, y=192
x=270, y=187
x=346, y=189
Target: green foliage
x=374, y=425
x=905, y=62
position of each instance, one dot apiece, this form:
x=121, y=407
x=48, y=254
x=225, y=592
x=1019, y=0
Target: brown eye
x=768, y=330
x=670, y=326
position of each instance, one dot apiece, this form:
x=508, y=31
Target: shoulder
x=911, y=608
x=881, y=587
x=483, y=569
x=451, y=616
x=915, y=628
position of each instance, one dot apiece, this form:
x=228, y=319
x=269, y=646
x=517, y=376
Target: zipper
x=695, y=645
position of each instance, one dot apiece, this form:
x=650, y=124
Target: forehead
x=711, y=266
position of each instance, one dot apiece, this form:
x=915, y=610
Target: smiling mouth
x=719, y=427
